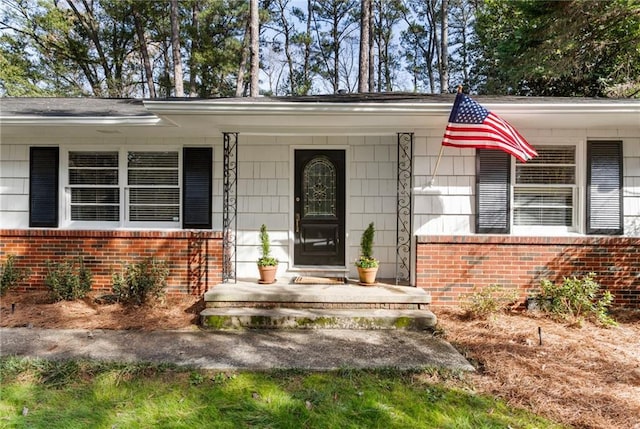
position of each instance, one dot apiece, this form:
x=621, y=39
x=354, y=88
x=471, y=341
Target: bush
x=574, y=299
x=10, y=275
x=489, y=300
x=68, y=282
x=140, y=282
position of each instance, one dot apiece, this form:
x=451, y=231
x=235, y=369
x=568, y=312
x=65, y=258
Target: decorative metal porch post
x=230, y=208
x=404, y=230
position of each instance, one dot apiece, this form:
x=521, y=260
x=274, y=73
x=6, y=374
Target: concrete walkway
x=320, y=349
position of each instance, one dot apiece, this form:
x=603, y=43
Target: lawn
x=45, y=394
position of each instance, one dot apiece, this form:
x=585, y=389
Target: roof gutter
x=297, y=108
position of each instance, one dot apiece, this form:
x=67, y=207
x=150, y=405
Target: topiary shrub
x=140, y=282
x=575, y=299
x=366, y=259
x=67, y=281
x=266, y=260
x=10, y=275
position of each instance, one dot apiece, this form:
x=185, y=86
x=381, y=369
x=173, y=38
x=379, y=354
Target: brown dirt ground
x=586, y=377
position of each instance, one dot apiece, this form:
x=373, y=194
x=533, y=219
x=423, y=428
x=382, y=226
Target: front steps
x=343, y=306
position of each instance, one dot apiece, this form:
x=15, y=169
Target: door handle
x=297, y=223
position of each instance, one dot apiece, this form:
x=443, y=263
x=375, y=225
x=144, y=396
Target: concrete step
x=281, y=318
x=314, y=296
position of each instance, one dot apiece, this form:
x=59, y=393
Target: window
x=318, y=187
x=554, y=192
x=93, y=184
x=139, y=188
x=154, y=193
x=545, y=188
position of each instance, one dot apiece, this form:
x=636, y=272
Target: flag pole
x=433, y=176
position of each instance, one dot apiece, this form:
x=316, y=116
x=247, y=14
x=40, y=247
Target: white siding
x=14, y=185
x=447, y=206
x=265, y=187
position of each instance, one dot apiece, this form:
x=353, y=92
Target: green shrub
x=575, y=299
x=10, y=275
x=266, y=260
x=488, y=301
x=66, y=281
x=366, y=259
x=140, y=282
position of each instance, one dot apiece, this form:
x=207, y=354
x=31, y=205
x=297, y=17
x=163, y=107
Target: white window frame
x=124, y=223
x=579, y=192
x=127, y=188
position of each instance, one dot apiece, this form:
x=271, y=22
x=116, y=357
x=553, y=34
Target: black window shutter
x=43, y=186
x=493, y=175
x=197, y=187
x=604, y=188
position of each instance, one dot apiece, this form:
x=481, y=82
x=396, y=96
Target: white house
x=192, y=180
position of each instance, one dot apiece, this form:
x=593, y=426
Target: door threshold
x=316, y=268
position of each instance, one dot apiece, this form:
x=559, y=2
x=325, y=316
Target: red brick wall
x=194, y=258
x=450, y=266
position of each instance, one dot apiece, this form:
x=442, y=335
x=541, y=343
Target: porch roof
x=370, y=113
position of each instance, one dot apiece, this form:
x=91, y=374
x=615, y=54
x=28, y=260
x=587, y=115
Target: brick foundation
x=450, y=266
x=193, y=257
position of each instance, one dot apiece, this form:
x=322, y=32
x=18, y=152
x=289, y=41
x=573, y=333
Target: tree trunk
x=255, y=49
x=243, y=61
x=444, y=46
x=91, y=26
x=372, y=83
x=363, y=64
x=193, y=88
x=142, y=40
x=175, y=48
x=336, y=55
x=307, y=50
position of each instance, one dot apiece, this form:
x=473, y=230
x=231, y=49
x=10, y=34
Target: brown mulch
x=35, y=309
x=585, y=377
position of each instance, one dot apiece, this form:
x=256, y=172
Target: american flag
x=471, y=125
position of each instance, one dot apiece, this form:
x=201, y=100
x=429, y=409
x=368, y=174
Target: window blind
x=93, y=183
x=154, y=195
x=545, y=188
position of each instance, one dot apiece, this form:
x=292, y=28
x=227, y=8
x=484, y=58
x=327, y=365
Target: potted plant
x=267, y=264
x=366, y=263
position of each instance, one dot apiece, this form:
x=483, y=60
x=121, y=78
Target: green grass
x=97, y=395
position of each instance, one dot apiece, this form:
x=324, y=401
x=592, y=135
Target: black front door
x=319, y=207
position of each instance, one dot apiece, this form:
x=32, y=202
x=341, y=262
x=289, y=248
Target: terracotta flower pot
x=367, y=275
x=267, y=274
